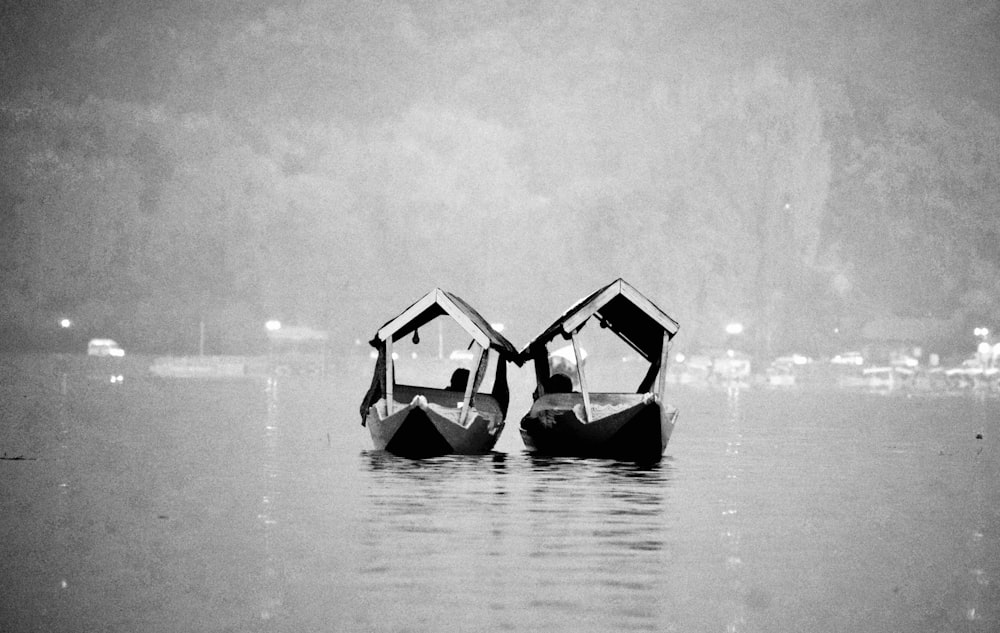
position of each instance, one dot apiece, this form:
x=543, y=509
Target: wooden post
x=389, y=378
x=583, y=381
x=661, y=381
x=477, y=357
x=541, y=365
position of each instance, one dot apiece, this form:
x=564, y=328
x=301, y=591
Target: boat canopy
x=619, y=307
x=439, y=302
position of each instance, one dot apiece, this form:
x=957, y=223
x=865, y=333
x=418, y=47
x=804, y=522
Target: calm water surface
x=159, y=505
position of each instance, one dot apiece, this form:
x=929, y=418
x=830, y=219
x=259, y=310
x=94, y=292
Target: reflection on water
x=520, y=540
x=271, y=466
x=731, y=515
x=63, y=522
x=155, y=505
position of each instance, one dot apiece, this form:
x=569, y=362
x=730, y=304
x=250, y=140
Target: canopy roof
x=436, y=303
x=621, y=308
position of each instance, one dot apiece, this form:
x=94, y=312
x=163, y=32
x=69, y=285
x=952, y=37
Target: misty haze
x=799, y=167
x=250, y=189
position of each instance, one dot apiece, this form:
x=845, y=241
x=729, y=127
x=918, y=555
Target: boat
x=624, y=426
x=418, y=421
x=199, y=367
x=885, y=378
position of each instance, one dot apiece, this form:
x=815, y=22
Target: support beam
x=661, y=382
x=583, y=381
x=389, y=378
x=477, y=357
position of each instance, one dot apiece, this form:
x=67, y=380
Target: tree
x=914, y=207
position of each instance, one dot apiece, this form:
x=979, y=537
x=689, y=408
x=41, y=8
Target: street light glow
x=65, y=323
x=734, y=328
x=273, y=325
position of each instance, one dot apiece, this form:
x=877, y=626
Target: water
x=258, y=505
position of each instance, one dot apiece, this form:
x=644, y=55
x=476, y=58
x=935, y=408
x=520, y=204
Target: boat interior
x=442, y=401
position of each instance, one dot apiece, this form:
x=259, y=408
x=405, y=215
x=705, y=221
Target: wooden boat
x=417, y=421
x=626, y=426
x=199, y=367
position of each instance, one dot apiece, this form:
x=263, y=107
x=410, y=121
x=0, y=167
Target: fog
x=805, y=168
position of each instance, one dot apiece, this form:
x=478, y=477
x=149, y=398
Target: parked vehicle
x=104, y=347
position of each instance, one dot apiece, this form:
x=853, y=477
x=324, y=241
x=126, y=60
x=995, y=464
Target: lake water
x=171, y=505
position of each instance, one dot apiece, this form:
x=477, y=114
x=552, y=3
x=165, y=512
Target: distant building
x=295, y=349
x=886, y=337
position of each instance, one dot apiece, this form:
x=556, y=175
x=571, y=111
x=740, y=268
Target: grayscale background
x=175, y=175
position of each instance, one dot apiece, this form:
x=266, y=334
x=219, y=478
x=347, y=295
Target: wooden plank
x=447, y=305
x=650, y=308
x=540, y=362
x=465, y=322
x=389, y=378
x=661, y=380
x=583, y=380
x=576, y=321
x=411, y=313
x=477, y=355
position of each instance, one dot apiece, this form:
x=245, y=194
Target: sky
x=143, y=49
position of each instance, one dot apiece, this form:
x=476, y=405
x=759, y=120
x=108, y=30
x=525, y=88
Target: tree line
x=792, y=203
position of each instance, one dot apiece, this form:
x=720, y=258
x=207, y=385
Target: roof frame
x=612, y=290
x=439, y=298
x=591, y=306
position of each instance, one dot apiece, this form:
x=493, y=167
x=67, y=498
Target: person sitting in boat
x=559, y=383
x=459, y=380
x=556, y=383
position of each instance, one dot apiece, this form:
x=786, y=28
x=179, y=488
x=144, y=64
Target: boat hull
x=638, y=433
x=421, y=432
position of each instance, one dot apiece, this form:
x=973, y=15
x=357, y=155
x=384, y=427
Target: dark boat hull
x=638, y=433
x=417, y=432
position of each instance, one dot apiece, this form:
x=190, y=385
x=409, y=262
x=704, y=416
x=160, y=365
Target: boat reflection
x=731, y=522
x=582, y=536
x=272, y=583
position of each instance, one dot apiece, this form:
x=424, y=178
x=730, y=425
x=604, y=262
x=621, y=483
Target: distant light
x=730, y=353
x=981, y=331
x=849, y=358
x=65, y=323
x=679, y=357
x=734, y=328
x=985, y=349
x=116, y=351
x=273, y=325
x=497, y=326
